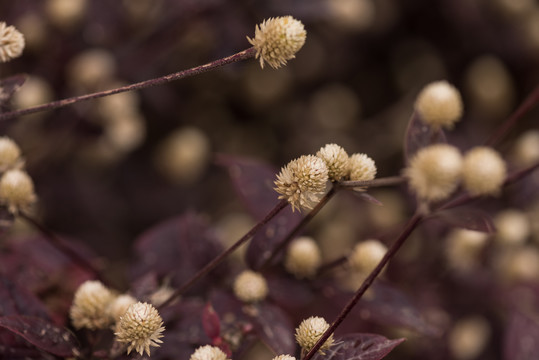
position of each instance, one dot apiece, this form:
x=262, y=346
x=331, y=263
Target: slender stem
x=410, y=226
x=332, y=264
x=217, y=260
x=522, y=110
x=55, y=241
x=242, y=55
x=387, y=181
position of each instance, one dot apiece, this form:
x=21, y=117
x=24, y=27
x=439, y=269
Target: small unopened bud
x=362, y=168
x=119, y=306
x=10, y=154
x=483, y=171
x=336, y=160
x=90, y=306
x=208, y=352
x=310, y=331
x=277, y=40
x=439, y=104
x=303, y=257
x=366, y=255
x=11, y=42
x=17, y=190
x=250, y=286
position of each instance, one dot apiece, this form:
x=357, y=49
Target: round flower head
x=141, y=327
x=439, y=104
x=366, y=255
x=484, y=171
x=526, y=149
x=463, y=248
x=512, y=227
x=10, y=154
x=336, y=160
x=303, y=257
x=250, y=286
x=362, y=168
x=277, y=40
x=90, y=306
x=284, y=357
x=11, y=42
x=208, y=352
x=17, y=190
x=119, y=306
x=434, y=172
x=302, y=182
x=310, y=330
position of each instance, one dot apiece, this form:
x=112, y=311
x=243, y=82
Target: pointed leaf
x=359, y=347
x=418, y=135
x=274, y=328
x=467, y=218
x=211, y=322
x=522, y=337
x=9, y=86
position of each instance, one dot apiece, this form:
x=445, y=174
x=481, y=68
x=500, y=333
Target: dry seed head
x=439, y=104
x=302, y=182
x=512, y=227
x=277, y=40
x=141, y=327
x=90, y=306
x=119, y=306
x=366, y=255
x=434, y=172
x=208, y=352
x=11, y=42
x=310, y=330
x=250, y=286
x=484, y=171
x=303, y=257
x=362, y=168
x=336, y=160
x=10, y=154
x=284, y=357
x=17, y=190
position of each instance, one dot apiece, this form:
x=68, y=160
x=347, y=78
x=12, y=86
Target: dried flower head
x=336, y=160
x=17, y=190
x=362, y=168
x=468, y=337
x=310, y=330
x=141, y=327
x=434, y=172
x=463, y=248
x=277, y=40
x=439, y=104
x=526, y=149
x=302, y=182
x=10, y=154
x=484, y=171
x=512, y=226
x=303, y=257
x=208, y=352
x=90, y=306
x=250, y=286
x=366, y=255
x=119, y=306
x=11, y=42
x=284, y=357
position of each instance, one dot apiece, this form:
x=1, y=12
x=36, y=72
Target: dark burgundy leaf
x=290, y=294
x=185, y=319
x=359, y=347
x=274, y=328
x=211, y=322
x=42, y=334
x=468, y=218
x=16, y=300
x=9, y=86
x=418, y=135
x=522, y=337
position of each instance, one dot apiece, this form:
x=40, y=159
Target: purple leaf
x=9, y=86
x=274, y=328
x=211, y=322
x=359, y=347
x=290, y=294
x=16, y=300
x=418, y=135
x=468, y=218
x=42, y=334
x=521, y=337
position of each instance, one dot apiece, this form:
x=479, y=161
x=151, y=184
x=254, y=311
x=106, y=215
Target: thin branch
x=243, y=55
x=387, y=181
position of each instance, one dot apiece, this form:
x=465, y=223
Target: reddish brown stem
x=387, y=181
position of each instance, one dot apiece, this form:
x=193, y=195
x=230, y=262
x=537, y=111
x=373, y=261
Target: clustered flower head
x=439, y=104
x=362, y=167
x=17, y=190
x=208, y=352
x=141, y=327
x=11, y=42
x=303, y=257
x=310, y=331
x=284, y=357
x=90, y=306
x=277, y=40
x=10, y=154
x=119, y=306
x=366, y=255
x=484, y=171
x=250, y=286
x=337, y=161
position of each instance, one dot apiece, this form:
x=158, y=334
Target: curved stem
x=242, y=55
x=387, y=181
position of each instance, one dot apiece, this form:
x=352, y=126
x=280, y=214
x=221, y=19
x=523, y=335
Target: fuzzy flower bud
x=90, y=306
x=336, y=160
x=208, y=352
x=250, y=286
x=284, y=357
x=512, y=227
x=303, y=257
x=362, y=168
x=310, y=330
x=434, y=172
x=120, y=305
x=17, y=190
x=484, y=171
x=302, y=182
x=366, y=255
x=10, y=154
x=439, y=104
x=277, y=40
x=141, y=327
x=526, y=149
x=463, y=248
x=11, y=42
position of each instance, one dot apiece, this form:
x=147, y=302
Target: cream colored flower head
x=303, y=257
x=208, y=352
x=337, y=161
x=302, y=182
x=513, y=227
x=11, y=42
x=362, y=168
x=434, y=172
x=277, y=40
x=141, y=327
x=17, y=190
x=310, y=331
x=439, y=104
x=484, y=171
x=10, y=154
x=250, y=286
x=366, y=255
x=284, y=357
x=119, y=306
x=90, y=306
